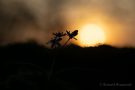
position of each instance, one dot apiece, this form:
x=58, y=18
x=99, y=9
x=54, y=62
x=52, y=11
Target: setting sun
x=91, y=35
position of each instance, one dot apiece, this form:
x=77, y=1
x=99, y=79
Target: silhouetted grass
x=75, y=67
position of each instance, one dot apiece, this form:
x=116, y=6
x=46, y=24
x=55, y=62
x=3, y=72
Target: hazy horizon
x=23, y=20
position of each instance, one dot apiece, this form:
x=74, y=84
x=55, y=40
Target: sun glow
x=91, y=35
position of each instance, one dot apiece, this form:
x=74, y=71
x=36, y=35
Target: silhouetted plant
x=59, y=34
x=71, y=36
x=55, y=42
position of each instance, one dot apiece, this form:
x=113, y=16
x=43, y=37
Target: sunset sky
x=23, y=20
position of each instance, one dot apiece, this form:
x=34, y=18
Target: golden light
x=91, y=35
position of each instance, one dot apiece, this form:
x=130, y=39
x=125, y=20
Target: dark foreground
x=26, y=67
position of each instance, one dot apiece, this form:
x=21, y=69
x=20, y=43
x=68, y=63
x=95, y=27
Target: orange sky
x=40, y=18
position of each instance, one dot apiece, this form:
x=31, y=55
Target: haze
x=23, y=20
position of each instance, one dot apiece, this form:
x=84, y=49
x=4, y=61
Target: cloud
x=28, y=19
x=21, y=20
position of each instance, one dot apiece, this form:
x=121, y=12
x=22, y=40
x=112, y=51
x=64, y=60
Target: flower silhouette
x=55, y=42
x=59, y=34
x=71, y=35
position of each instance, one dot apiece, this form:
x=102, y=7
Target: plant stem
x=66, y=42
x=51, y=69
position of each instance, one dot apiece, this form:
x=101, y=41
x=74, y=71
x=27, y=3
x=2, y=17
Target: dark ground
x=26, y=66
